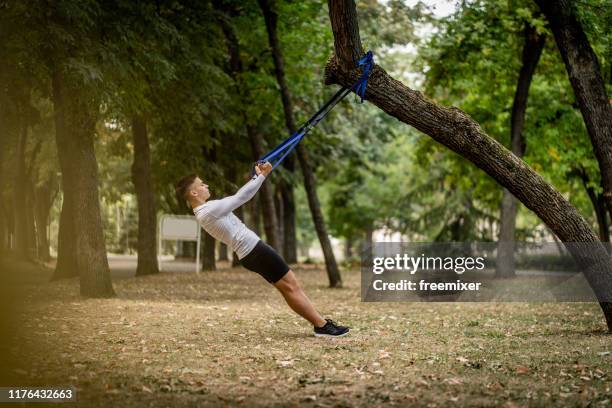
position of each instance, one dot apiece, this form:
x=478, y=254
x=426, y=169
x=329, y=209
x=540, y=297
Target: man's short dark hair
x=182, y=187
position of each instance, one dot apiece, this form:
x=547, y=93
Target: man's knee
x=288, y=283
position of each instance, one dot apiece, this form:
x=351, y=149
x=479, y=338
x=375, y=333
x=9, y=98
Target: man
x=216, y=217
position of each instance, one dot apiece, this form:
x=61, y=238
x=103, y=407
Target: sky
x=440, y=8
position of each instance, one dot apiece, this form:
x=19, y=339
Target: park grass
x=226, y=338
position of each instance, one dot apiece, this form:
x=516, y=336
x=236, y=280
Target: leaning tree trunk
x=459, y=132
x=147, y=215
x=333, y=272
x=310, y=185
x=585, y=76
x=74, y=132
x=534, y=43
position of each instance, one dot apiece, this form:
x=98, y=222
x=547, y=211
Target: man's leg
x=291, y=290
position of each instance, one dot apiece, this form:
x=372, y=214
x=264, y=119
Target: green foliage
x=168, y=63
x=473, y=62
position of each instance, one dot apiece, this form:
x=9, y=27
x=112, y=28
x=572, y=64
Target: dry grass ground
x=226, y=338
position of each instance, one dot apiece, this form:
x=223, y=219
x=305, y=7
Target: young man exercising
x=216, y=217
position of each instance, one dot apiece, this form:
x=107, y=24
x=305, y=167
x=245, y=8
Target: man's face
x=199, y=189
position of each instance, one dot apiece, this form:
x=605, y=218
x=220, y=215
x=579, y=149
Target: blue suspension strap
x=278, y=154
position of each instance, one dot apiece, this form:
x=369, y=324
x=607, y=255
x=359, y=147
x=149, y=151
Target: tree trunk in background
x=3, y=224
x=368, y=237
x=532, y=50
x=348, y=249
x=21, y=185
x=147, y=214
x=288, y=199
x=254, y=214
x=585, y=76
x=75, y=119
x=599, y=205
x=30, y=187
x=333, y=272
x=223, y=253
x=32, y=246
x=66, y=266
x=208, y=252
x=266, y=193
x=280, y=218
x=43, y=201
x=459, y=132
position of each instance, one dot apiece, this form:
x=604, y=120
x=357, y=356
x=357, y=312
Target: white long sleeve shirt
x=217, y=219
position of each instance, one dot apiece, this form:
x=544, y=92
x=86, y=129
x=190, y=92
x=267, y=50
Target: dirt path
x=226, y=338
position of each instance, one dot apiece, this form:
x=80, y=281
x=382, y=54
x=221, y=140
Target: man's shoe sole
x=331, y=335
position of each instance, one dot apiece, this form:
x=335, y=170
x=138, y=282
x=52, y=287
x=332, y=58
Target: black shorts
x=264, y=260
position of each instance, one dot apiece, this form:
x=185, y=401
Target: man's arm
x=228, y=204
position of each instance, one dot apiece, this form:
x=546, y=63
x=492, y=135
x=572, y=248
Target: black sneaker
x=331, y=329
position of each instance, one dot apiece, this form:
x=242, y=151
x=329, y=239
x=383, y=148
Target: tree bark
x=532, y=50
x=348, y=248
x=147, y=214
x=584, y=73
x=208, y=252
x=43, y=200
x=333, y=272
x=21, y=185
x=456, y=130
x=280, y=218
x=310, y=185
x=223, y=253
x=3, y=223
x=289, y=230
x=66, y=266
x=75, y=121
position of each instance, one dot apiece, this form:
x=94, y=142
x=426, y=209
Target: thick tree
x=207, y=252
x=145, y=195
x=75, y=118
x=333, y=272
x=456, y=130
x=3, y=223
x=532, y=49
x=585, y=76
x=21, y=187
